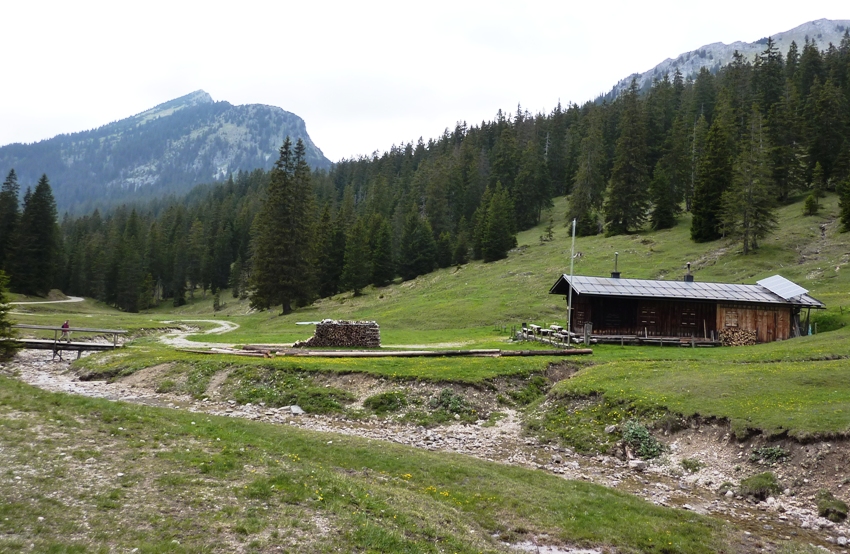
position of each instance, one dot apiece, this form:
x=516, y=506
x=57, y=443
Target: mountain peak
x=166, y=149
x=716, y=55
x=197, y=98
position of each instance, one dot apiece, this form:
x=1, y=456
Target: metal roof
x=682, y=290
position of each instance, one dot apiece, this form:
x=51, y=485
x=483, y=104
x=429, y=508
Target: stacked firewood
x=344, y=334
x=733, y=336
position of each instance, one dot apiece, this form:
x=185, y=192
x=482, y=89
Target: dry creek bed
x=790, y=515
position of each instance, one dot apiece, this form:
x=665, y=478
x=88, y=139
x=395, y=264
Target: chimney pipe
x=615, y=274
x=688, y=277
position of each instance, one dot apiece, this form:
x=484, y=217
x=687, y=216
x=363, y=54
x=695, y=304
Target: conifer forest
x=727, y=147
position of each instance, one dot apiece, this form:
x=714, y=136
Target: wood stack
x=733, y=336
x=344, y=334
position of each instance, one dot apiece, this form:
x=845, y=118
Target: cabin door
x=688, y=326
x=648, y=320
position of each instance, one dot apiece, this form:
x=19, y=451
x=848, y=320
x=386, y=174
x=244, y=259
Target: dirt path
x=664, y=482
x=67, y=301
x=177, y=338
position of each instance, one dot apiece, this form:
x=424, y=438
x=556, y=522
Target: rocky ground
x=790, y=515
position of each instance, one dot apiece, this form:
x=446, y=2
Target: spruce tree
x=714, y=174
x=588, y=188
x=283, y=235
x=532, y=192
x=356, y=269
x=498, y=235
x=627, y=197
x=445, y=247
x=789, y=151
x=460, y=254
x=130, y=269
x=418, y=252
x=670, y=178
x=7, y=346
x=844, y=203
x=37, y=249
x=825, y=113
x=383, y=266
x=9, y=215
x=748, y=205
x=328, y=267
x=818, y=184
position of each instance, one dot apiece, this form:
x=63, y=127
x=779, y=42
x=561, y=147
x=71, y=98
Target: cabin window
x=731, y=318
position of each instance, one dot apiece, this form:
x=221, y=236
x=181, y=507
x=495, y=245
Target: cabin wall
x=769, y=322
x=645, y=317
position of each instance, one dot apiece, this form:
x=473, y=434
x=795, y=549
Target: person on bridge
x=66, y=332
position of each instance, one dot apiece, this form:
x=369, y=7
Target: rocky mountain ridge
x=165, y=150
x=716, y=55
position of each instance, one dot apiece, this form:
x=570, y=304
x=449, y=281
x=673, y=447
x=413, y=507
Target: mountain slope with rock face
x=714, y=56
x=165, y=150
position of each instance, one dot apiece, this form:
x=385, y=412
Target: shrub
x=692, y=465
x=830, y=507
x=386, y=402
x=770, y=454
x=810, y=206
x=828, y=321
x=283, y=388
x=451, y=402
x=760, y=486
x=166, y=385
x=642, y=442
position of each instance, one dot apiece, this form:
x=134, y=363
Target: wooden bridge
x=59, y=344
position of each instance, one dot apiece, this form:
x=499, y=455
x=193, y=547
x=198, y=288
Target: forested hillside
x=165, y=150
x=728, y=147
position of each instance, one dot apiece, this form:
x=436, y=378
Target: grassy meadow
x=110, y=477
x=87, y=475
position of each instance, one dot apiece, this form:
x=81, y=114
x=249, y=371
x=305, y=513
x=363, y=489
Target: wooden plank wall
x=655, y=318
x=770, y=322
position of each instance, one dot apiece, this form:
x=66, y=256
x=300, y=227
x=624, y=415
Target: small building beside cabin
x=643, y=310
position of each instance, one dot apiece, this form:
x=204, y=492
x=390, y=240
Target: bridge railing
x=57, y=330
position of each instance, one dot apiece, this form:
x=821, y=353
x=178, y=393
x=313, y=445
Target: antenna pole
x=570, y=300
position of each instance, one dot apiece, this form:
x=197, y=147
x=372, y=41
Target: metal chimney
x=688, y=277
x=615, y=274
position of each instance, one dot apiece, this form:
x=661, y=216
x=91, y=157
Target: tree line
x=727, y=147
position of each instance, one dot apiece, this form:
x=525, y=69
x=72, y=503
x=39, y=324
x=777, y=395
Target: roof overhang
x=687, y=290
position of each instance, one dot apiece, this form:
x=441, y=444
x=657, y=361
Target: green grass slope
x=466, y=304
x=88, y=475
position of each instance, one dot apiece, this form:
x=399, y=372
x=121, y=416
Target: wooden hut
x=642, y=310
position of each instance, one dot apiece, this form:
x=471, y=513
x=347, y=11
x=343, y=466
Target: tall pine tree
x=588, y=188
x=356, y=269
x=37, y=250
x=283, y=234
x=713, y=176
x=748, y=205
x=9, y=215
x=627, y=201
x=418, y=251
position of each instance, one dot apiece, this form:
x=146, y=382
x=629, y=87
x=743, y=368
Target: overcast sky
x=363, y=75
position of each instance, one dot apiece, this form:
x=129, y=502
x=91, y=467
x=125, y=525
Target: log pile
x=733, y=336
x=344, y=334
